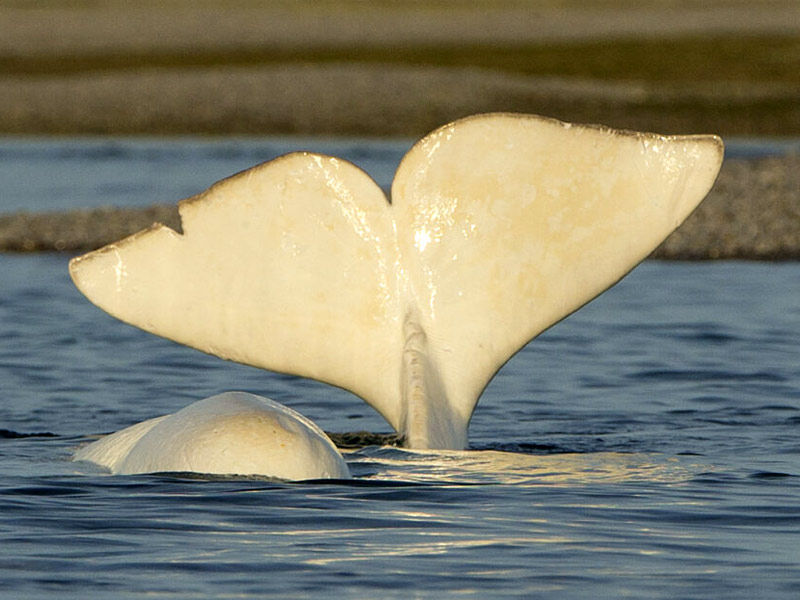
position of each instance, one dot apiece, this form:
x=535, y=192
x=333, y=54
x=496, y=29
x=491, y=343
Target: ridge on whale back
x=499, y=226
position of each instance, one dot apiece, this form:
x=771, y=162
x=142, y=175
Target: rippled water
x=648, y=446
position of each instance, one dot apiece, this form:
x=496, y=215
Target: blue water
x=647, y=447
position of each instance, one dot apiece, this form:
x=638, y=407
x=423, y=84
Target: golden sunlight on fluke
x=499, y=226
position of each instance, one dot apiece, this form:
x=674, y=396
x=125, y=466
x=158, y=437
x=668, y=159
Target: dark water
x=646, y=447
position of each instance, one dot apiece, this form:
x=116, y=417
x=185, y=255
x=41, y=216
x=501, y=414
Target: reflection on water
x=495, y=467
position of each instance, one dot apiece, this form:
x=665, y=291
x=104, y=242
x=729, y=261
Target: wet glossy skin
x=499, y=226
x=231, y=433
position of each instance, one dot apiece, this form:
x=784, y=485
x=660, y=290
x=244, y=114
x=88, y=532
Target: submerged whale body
x=499, y=226
x=234, y=433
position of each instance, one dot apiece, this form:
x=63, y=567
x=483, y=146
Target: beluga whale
x=234, y=433
x=497, y=227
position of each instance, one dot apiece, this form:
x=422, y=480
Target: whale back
x=500, y=225
x=234, y=433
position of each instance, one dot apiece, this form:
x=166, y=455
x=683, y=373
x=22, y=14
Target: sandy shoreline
x=320, y=68
x=45, y=27
x=178, y=67
x=372, y=99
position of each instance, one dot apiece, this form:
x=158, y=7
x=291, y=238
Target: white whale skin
x=499, y=226
x=234, y=433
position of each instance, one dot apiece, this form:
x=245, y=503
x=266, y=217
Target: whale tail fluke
x=499, y=226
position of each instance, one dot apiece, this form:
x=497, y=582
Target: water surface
x=648, y=446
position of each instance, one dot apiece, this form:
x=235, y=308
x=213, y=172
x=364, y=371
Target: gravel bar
x=752, y=213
